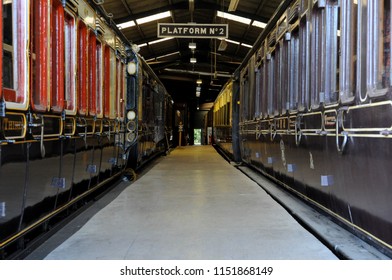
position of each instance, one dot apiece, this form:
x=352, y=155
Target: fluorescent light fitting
x=233, y=42
x=142, y=45
x=160, y=40
x=193, y=60
x=166, y=55
x=153, y=17
x=192, y=46
x=126, y=24
x=233, y=5
x=246, y=45
x=259, y=24
x=233, y=17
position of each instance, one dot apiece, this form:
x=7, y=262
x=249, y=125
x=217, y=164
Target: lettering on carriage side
x=12, y=125
x=330, y=120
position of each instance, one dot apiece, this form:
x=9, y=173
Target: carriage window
x=8, y=51
x=276, y=97
x=317, y=55
x=113, y=85
x=14, y=68
x=228, y=114
x=69, y=63
x=121, y=106
x=303, y=64
x=244, y=96
x=263, y=82
x=82, y=71
x=39, y=57
x=251, y=89
x=120, y=89
x=57, y=61
x=110, y=83
x=349, y=58
x=270, y=83
x=293, y=71
x=379, y=47
x=92, y=74
x=258, y=85
x=285, y=66
x=304, y=5
x=99, y=80
x=332, y=53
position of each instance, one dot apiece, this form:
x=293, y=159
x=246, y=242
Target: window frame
x=349, y=33
x=57, y=93
x=110, y=82
x=92, y=73
x=40, y=56
x=82, y=48
x=373, y=39
x=332, y=49
x=294, y=70
x=304, y=65
x=317, y=57
x=70, y=58
x=100, y=78
x=20, y=63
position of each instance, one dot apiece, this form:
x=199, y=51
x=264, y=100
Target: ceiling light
x=142, y=45
x=246, y=45
x=193, y=60
x=160, y=40
x=233, y=17
x=233, y=5
x=199, y=81
x=259, y=24
x=153, y=17
x=233, y=42
x=126, y=24
x=197, y=93
x=192, y=46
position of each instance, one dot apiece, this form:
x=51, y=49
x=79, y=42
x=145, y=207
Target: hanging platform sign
x=193, y=30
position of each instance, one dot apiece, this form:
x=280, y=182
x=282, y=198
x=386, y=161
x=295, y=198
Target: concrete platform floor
x=192, y=205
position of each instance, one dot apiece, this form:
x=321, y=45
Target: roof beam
x=199, y=5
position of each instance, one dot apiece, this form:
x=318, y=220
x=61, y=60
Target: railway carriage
x=314, y=109
x=77, y=107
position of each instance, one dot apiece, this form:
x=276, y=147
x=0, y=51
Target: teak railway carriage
x=311, y=107
x=77, y=107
